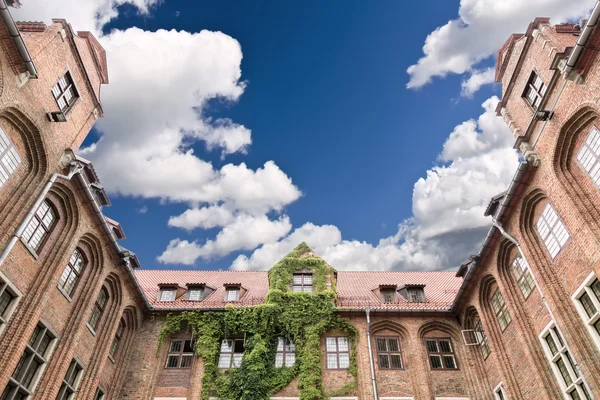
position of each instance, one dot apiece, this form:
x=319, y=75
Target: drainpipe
x=368, y=314
x=583, y=39
x=508, y=236
x=15, y=35
x=38, y=202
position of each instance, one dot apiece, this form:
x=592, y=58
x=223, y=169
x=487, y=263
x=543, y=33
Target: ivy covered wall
x=301, y=317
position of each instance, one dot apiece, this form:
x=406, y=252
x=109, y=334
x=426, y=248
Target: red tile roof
x=355, y=289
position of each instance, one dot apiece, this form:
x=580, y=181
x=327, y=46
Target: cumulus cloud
x=476, y=163
x=477, y=79
x=480, y=30
x=205, y=218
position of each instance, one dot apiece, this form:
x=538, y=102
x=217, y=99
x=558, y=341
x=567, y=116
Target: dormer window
x=302, y=282
x=388, y=295
x=416, y=295
x=197, y=293
x=535, y=90
x=168, y=294
x=65, y=92
x=232, y=293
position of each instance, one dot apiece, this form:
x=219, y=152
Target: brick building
x=80, y=319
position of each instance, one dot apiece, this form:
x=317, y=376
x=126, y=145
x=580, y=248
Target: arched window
x=552, y=230
x=98, y=309
x=72, y=273
x=479, y=337
x=9, y=158
x=500, y=310
x=40, y=226
x=117, y=339
x=589, y=155
x=521, y=273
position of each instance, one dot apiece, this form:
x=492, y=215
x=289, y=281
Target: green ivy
x=301, y=317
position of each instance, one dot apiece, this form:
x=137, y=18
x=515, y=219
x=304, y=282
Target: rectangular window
x=232, y=352
x=8, y=300
x=562, y=363
x=99, y=394
x=587, y=302
x=416, y=295
x=552, y=230
x=117, y=339
x=30, y=365
x=337, y=352
x=72, y=273
x=71, y=381
x=286, y=353
x=181, y=354
x=499, y=393
x=39, y=227
x=522, y=274
x=441, y=354
x=196, y=293
x=388, y=296
x=64, y=92
x=302, y=283
x=232, y=294
x=500, y=309
x=168, y=294
x=482, y=339
x=388, y=352
x=589, y=155
x=9, y=158
x=535, y=90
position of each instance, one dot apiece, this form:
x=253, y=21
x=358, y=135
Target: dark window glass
x=441, y=354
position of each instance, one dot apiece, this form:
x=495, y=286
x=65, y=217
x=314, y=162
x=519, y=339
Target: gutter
x=583, y=40
x=17, y=39
x=373, y=380
x=510, y=193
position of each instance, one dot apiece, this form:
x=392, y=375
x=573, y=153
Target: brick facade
x=544, y=302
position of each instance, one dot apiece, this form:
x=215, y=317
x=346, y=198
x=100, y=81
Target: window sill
x=30, y=249
x=62, y=291
x=92, y=331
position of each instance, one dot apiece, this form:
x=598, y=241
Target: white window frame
x=588, y=155
x=286, y=349
x=9, y=158
x=562, y=354
x=499, y=389
x=235, y=290
x=202, y=292
x=589, y=321
x=236, y=358
x=164, y=291
x=552, y=230
x=7, y=285
x=525, y=278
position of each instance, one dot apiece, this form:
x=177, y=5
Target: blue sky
x=372, y=173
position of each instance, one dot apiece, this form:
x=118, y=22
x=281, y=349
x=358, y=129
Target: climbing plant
x=303, y=318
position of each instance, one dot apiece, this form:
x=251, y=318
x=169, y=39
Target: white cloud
x=448, y=204
x=246, y=232
x=142, y=210
x=480, y=30
x=205, y=218
x=477, y=79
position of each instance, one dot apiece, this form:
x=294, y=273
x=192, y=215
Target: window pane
x=237, y=360
x=308, y=279
x=331, y=344
x=551, y=345
x=239, y=346
x=596, y=288
x=343, y=344
x=436, y=362
x=445, y=346
x=172, y=361
x=449, y=362
x=384, y=361
x=393, y=344
x=278, y=360
x=432, y=346
x=396, y=361
x=297, y=279
x=563, y=371
x=227, y=346
x=175, y=346
x=588, y=305
x=307, y=289
x=332, y=361
x=5, y=299
x=188, y=347
x=290, y=359
x=344, y=361
x=381, y=344
x=186, y=361
x=224, y=360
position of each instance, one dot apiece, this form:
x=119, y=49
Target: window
x=65, y=92
x=232, y=293
x=482, y=339
x=232, y=352
x=500, y=310
x=416, y=295
x=9, y=158
x=71, y=381
x=563, y=364
x=181, y=354
x=286, y=353
x=197, y=293
x=499, y=393
x=36, y=354
x=535, y=90
x=441, y=354
x=8, y=299
x=40, y=225
x=167, y=294
x=388, y=295
x=522, y=274
x=552, y=230
x=589, y=155
x=98, y=309
x=99, y=394
x=337, y=352
x=117, y=339
x=72, y=273
x=587, y=300
x=302, y=283
x=388, y=352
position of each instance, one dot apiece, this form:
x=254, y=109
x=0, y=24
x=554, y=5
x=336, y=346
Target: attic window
x=388, y=295
x=167, y=294
x=232, y=293
x=416, y=295
x=197, y=293
x=302, y=283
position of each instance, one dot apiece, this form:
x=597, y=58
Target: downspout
x=38, y=202
x=514, y=241
x=368, y=314
x=583, y=39
x=15, y=35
